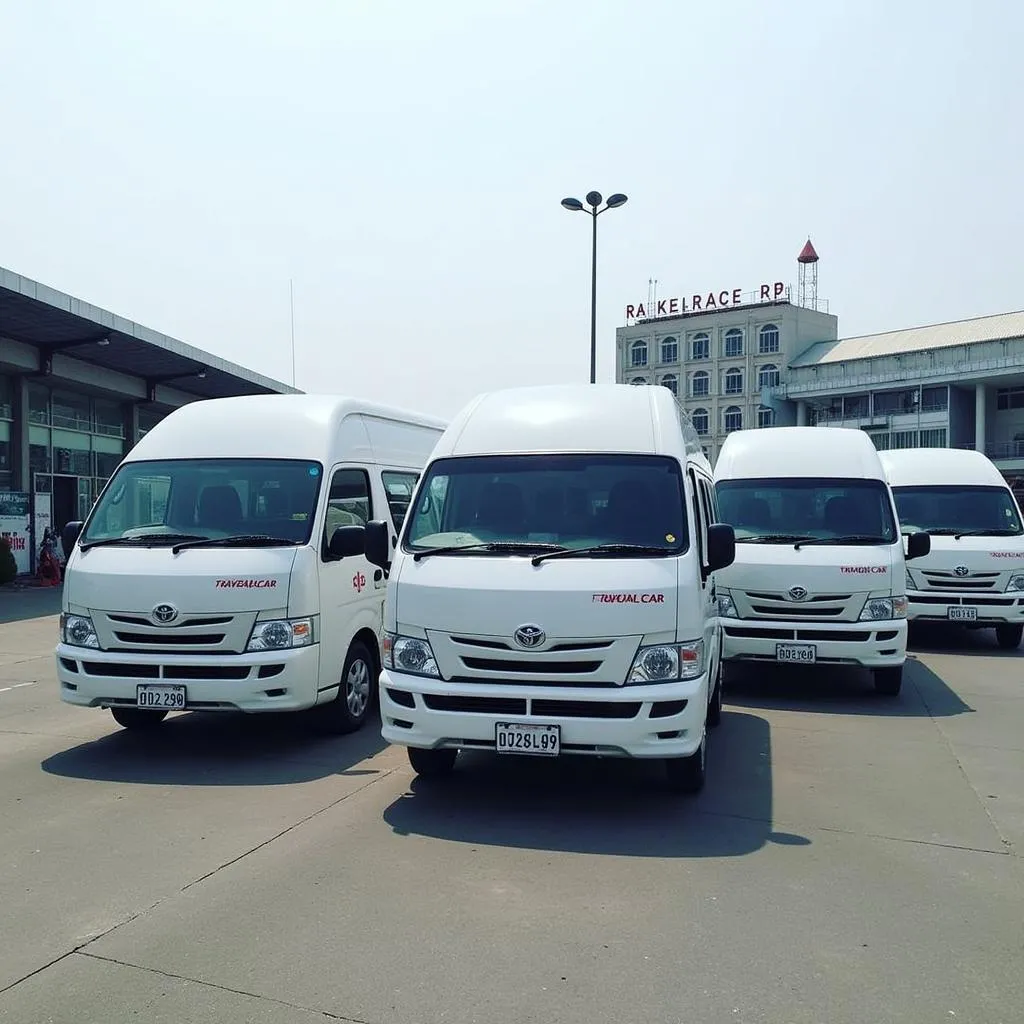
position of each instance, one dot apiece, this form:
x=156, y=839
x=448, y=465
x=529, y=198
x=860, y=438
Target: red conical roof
x=807, y=254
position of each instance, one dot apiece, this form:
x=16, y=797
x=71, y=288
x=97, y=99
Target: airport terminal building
x=79, y=387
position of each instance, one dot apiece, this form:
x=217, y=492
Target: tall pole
x=291, y=306
x=593, y=305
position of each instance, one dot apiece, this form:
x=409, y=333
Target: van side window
x=398, y=488
x=699, y=519
x=348, y=501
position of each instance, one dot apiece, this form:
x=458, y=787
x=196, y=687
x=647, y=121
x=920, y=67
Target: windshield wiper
x=510, y=546
x=851, y=538
x=774, y=538
x=241, y=540
x=603, y=549
x=145, y=538
x=997, y=532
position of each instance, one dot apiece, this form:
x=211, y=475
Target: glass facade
x=6, y=416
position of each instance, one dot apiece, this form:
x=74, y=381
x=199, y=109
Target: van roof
x=290, y=426
x=779, y=452
x=924, y=467
x=620, y=418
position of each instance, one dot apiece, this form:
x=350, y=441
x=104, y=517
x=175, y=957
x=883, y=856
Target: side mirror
x=68, y=537
x=346, y=541
x=377, y=538
x=918, y=545
x=721, y=546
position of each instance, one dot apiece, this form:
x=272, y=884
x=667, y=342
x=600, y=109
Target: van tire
x=1009, y=636
x=432, y=763
x=349, y=709
x=888, y=680
x=688, y=774
x=137, y=719
x=715, y=706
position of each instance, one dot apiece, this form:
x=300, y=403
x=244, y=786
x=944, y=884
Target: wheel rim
x=357, y=687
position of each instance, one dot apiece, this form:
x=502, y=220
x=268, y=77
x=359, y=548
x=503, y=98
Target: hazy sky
x=178, y=161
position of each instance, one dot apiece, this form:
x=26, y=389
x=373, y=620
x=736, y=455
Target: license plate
x=959, y=613
x=513, y=738
x=163, y=698
x=804, y=654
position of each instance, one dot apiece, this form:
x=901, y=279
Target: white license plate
x=163, y=698
x=959, y=613
x=514, y=738
x=803, y=654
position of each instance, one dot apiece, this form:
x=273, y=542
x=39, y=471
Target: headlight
x=78, y=630
x=884, y=608
x=280, y=634
x=1016, y=582
x=727, y=607
x=409, y=654
x=668, y=663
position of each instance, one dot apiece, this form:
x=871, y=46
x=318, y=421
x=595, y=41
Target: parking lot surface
x=852, y=859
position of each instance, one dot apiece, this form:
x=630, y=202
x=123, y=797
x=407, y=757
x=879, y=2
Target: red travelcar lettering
x=628, y=598
x=864, y=570
x=244, y=584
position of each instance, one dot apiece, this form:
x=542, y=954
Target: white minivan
x=219, y=570
x=819, y=575
x=974, y=574
x=553, y=591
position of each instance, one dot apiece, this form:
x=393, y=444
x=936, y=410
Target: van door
x=702, y=511
x=348, y=600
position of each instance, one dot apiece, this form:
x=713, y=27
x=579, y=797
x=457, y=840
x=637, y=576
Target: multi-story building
x=720, y=361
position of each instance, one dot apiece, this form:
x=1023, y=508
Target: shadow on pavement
x=603, y=806
x=943, y=638
x=220, y=749
x=19, y=602
x=833, y=690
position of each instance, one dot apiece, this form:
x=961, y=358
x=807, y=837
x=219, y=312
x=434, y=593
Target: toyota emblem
x=797, y=594
x=165, y=613
x=529, y=636
x=961, y=570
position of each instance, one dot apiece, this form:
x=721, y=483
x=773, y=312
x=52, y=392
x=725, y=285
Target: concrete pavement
x=852, y=859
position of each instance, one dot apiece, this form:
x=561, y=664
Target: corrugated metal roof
x=915, y=339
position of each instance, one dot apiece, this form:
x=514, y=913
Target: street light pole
x=594, y=200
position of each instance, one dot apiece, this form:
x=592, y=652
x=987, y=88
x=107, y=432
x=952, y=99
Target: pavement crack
x=327, y=1014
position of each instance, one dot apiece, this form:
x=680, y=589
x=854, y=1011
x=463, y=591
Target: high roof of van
x=779, y=452
x=931, y=467
x=290, y=427
x=597, y=418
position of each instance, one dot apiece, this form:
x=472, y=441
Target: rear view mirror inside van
x=377, y=541
x=721, y=546
x=918, y=545
x=347, y=541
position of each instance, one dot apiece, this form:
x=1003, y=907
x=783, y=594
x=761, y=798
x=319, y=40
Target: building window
x=38, y=405
x=895, y=402
x=733, y=419
x=109, y=417
x=857, y=407
x=768, y=339
x=638, y=380
x=1010, y=398
x=671, y=382
x=880, y=441
x=733, y=343
x=638, y=353
x=935, y=400
x=934, y=438
x=5, y=455
x=734, y=382
x=903, y=439
x=71, y=412
x=768, y=377
x=669, y=350
x=700, y=346
x=700, y=384
x=6, y=398
x=765, y=416
x=700, y=420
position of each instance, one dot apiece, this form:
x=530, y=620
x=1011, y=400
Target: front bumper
x=599, y=721
x=877, y=644
x=257, y=681
x=992, y=609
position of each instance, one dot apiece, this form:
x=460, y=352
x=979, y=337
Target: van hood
x=585, y=598
x=197, y=580
x=817, y=568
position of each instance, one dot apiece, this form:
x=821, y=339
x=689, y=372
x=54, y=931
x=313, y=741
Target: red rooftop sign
x=706, y=303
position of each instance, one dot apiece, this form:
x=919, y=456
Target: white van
x=820, y=569
x=553, y=591
x=222, y=567
x=974, y=574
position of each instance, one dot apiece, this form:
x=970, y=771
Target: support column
x=980, y=416
x=801, y=414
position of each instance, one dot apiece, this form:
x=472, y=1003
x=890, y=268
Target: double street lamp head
x=594, y=200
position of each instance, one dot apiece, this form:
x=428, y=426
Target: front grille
x=127, y=670
x=534, y=667
x=756, y=604
x=478, y=705
x=968, y=599
x=205, y=632
x=135, y=620
x=169, y=639
x=586, y=708
x=975, y=581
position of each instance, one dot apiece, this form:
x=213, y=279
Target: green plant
x=8, y=566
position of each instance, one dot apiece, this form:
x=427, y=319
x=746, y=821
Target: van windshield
x=207, y=498
x=954, y=509
x=560, y=501
x=821, y=509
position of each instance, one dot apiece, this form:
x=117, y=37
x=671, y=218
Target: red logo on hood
x=244, y=584
x=628, y=598
x=864, y=570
